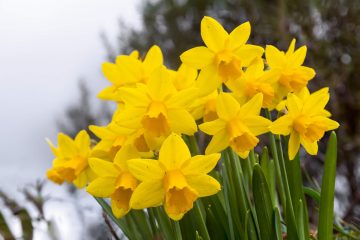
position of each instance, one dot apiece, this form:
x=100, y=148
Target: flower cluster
x=141, y=159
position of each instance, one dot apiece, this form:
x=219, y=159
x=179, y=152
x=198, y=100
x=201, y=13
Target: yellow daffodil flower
x=129, y=70
x=305, y=121
x=71, y=160
x=158, y=108
x=176, y=180
x=237, y=126
x=114, y=180
x=224, y=55
x=291, y=75
x=255, y=80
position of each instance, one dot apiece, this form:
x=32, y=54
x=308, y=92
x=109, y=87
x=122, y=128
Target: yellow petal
x=226, y=106
x=252, y=107
x=219, y=142
x=298, y=57
x=200, y=164
x=130, y=68
x=213, y=34
x=291, y=48
x=103, y=168
x=124, y=154
x=148, y=194
x=213, y=127
x=205, y=185
x=274, y=57
x=81, y=180
x=316, y=102
x=294, y=104
x=208, y=80
x=135, y=97
x=257, y=124
x=111, y=72
x=240, y=35
x=82, y=141
x=174, y=152
x=294, y=145
x=243, y=155
x=310, y=147
x=160, y=85
x=247, y=53
x=102, y=187
x=282, y=125
x=197, y=57
x=118, y=212
x=145, y=169
x=66, y=145
x=186, y=125
x=110, y=93
x=153, y=59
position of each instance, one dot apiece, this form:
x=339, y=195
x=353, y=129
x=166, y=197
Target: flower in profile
x=237, y=126
x=71, y=160
x=129, y=70
x=176, y=180
x=224, y=55
x=114, y=180
x=290, y=74
x=254, y=80
x=205, y=107
x=306, y=122
x=157, y=108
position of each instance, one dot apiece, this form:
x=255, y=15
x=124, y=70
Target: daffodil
x=237, y=126
x=114, y=180
x=176, y=180
x=291, y=76
x=157, y=108
x=224, y=56
x=306, y=122
x=255, y=80
x=71, y=160
x=129, y=70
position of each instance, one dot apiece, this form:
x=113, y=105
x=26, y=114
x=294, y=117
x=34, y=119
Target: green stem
x=201, y=221
x=106, y=208
x=278, y=174
x=177, y=230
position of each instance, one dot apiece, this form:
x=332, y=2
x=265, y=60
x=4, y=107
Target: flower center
x=311, y=130
x=180, y=196
x=241, y=139
x=252, y=88
x=210, y=110
x=229, y=65
x=292, y=81
x=155, y=120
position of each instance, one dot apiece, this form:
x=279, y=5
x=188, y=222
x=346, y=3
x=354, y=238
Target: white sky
x=45, y=47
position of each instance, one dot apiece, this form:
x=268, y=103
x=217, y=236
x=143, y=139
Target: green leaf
x=277, y=223
x=314, y=194
x=267, y=166
x=263, y=205
x=300, y=220
x=326, y=214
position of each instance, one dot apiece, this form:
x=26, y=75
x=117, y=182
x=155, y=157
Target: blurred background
x=50, y=72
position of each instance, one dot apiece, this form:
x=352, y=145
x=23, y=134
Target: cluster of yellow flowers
x=142, y=161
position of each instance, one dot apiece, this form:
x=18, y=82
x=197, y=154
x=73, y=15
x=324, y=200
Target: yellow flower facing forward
x=129, y=70
x=176, y=180
x=71, y=160
x=255, y=80
x=224, y=55
x=114, y=180
x=306, y=121
x=291, y=75
x=157, y=108
x=237, y=126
